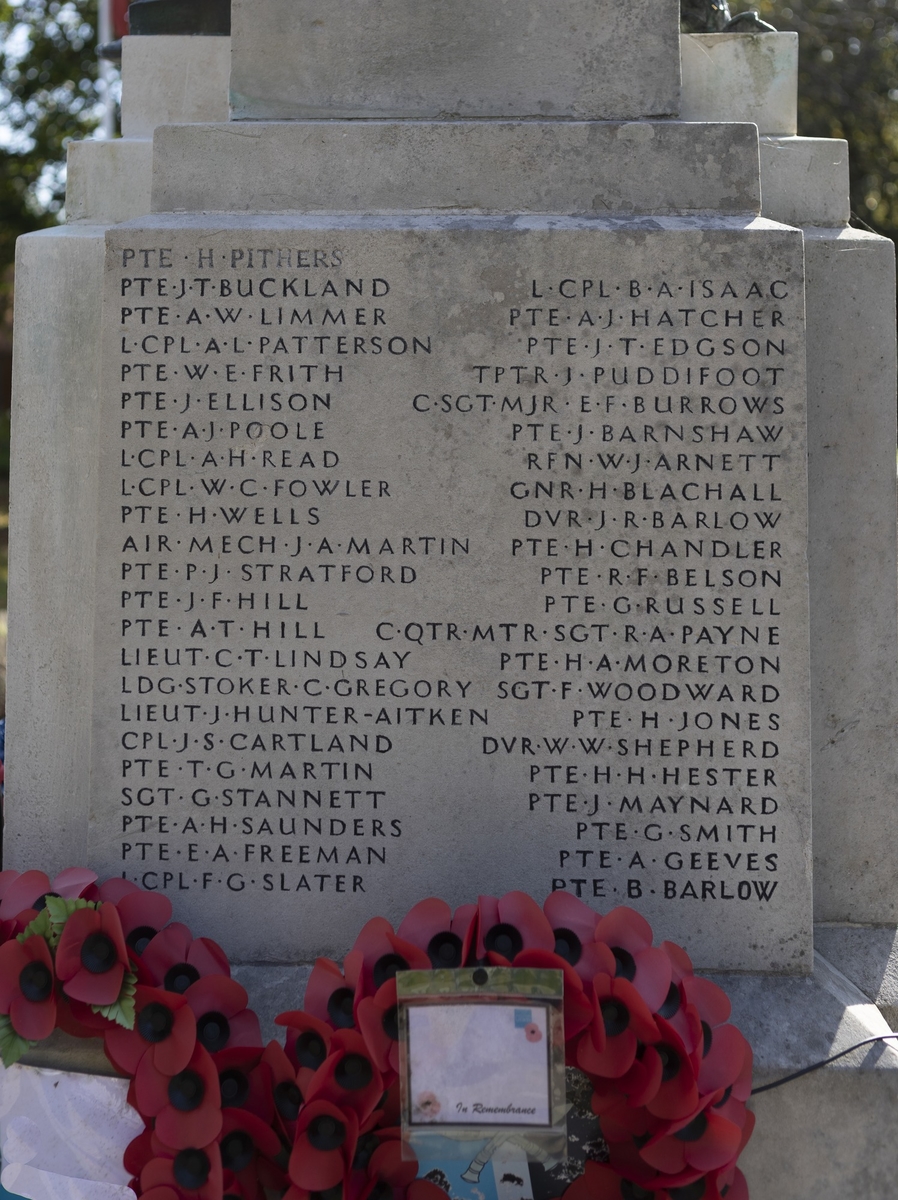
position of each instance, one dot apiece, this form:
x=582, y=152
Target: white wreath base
x=62, y=1135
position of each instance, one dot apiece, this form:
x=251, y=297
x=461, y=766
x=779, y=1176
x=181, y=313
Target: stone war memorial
x=453, y=454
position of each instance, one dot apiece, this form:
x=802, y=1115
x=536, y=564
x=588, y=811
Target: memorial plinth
x=429, y=459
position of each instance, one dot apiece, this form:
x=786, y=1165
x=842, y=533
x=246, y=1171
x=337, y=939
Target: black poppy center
x=568, y=946
x=616, y=1017
x=326, y=1133
x=671, y=1005
x=186, y=1091
x=98, y=954
x=632, y=1191
x=386, y=967
x=364, y=1150
x=155, y=1022
x=310, y=1050
x=237, y=1151
x=692, y=1191
x=41, y=902
x=179, y=978
x=670, y=1062
x=694, y=1130
x=707, y=1038
x=191, y=1169
x=213, y=1031
x=383, y=1191
x=234, y=1086
x=445, y=950
x=138, y=939
x=624, y=963
x=390, y=1023
x=339, y=1008
x=36, y=982
x=288, y=1100
x=504, y=940
x=353, y=1072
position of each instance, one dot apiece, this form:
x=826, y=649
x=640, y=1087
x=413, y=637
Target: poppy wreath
x=227, y=1118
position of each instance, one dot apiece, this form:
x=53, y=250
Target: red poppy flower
x=76, y=883
x=22, y=892
x=574, y=925
x=91, y=958
x=307, y=1044
x=677, y=1097
x=510, y=925
x=113, y=889
x=245, y=1082
x=378, y=1021
x=447, y=940
x=601, y=1182
x=138, y=1153
x=244, y=1140
x=383, y=954
x=578, y=1008
x=701, y=1143
x=222, y=1017
x=286, y=1095
x=621, y=1021
x=27, y=988
x=187, y=1106
x=79, y=1019
x=325, y=1146
x=648, y=968
x=194, y=1172
x=348, y=1076
x=175, y=959
x=330, y=992
x=164, y=1028
x=143, y=915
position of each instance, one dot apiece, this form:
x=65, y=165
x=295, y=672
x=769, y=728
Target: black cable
x=880, y=1037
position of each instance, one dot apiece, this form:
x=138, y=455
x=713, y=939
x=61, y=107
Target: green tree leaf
x=49, y=93
x=39, y=927
x=122, y=1012
x=848, y=88
x=12, y=1047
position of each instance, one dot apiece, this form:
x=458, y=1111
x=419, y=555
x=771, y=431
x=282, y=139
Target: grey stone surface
x=167, y=79
x=868, y=955
x=741, y=77
x=829, y=1136
x=454, y=453
x=851, y=482
x=804, y=181
x=272, y=990
x=108, y=182
x=792, y=1023
x=596, y=59
x=52, y=512
x=502, y=166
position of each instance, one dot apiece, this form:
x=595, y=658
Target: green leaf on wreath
x=39, y=927
x=122, y=1012
x=60, y=910
x=12, y=1047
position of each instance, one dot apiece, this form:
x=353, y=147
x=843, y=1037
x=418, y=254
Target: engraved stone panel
x=446, y=556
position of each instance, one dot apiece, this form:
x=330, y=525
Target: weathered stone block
x=595, y=59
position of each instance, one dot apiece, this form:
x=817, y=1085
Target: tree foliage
x=848, y=88
x=49, y=93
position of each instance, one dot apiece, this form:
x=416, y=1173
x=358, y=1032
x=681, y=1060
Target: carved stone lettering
x=451, y=558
